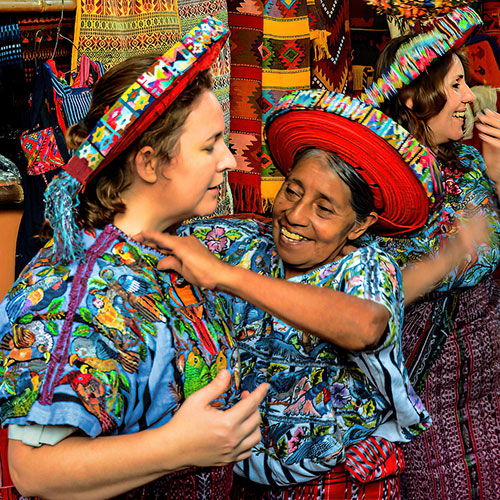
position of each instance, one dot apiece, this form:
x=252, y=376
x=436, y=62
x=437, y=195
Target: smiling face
x=448, y=124
x=312, y=217
x=191, y=180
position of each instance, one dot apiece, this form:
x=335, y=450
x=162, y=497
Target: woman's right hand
x=189, y=257
x=218, y=437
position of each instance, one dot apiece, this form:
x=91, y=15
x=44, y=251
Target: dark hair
x=427, y=93
x=362, y=201
x=101, y=200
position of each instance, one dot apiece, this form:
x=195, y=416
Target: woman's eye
x=209, y=149
x=290, y=191
x=325, y=210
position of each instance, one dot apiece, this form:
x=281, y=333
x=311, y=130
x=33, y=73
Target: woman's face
x=448, y=124
x=312, y=217
x=193, y=177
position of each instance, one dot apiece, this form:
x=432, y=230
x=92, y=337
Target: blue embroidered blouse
x=108, y=345
x=322, y=398
x=467, y=192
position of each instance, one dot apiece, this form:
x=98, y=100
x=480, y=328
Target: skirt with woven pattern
x=336, y=485
x=211, y=483
x=458, y=458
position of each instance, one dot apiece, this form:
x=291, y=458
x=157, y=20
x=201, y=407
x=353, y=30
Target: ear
x=409, y=102
x=360, y=227
x=146, y=164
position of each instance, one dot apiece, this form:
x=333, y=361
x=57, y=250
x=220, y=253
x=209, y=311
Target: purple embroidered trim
x=78, y=290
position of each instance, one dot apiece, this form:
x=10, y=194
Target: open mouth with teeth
x=291, y=236
x=459, y=114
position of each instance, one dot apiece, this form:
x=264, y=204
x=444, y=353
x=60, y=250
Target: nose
x=467, y=95
x=227, y=160
x=298, y=213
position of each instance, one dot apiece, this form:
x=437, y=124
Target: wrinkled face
x=312, y=217
x=193, y=177
x=448, y=124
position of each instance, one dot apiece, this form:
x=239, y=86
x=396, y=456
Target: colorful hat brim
x=445, y=33
x=413, y=10
x=403, y=174
x=148, y=98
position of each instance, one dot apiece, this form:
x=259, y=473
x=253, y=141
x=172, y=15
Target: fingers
x=170, y=263
x=244, y=450
x=214, y=389
x=247, y=406
x=489, y=123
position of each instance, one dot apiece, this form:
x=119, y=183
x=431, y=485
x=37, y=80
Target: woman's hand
x=82, y=468
x=488, y=126
x=216, y=437
x=187, y=256
x=421, y=277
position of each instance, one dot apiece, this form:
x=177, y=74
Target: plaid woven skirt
x=336, y=485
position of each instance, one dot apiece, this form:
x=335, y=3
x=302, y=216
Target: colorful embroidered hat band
x=444, y=33
x=416, y=10
x=137, y=108
x=403, y=174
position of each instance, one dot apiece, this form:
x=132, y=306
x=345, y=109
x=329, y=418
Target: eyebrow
x=321, y=195
x=214, y=137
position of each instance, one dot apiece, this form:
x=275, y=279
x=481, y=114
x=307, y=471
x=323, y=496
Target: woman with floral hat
x=339, y=401
x=118, y=379
x=451, y=335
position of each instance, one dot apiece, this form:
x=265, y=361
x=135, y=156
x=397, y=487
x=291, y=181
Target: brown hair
x=427, y=93
x=101, y=200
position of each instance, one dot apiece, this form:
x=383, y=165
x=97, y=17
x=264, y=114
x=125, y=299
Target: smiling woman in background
x=451, y=335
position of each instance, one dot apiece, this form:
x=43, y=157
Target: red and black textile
x=245, y=138
x=188, y=484
x=39, y=38
x=458, y=457
x=484, y=60
x=336, y=485
x=332, y=73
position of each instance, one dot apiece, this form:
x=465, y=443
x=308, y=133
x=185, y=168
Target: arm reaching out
x=197, y=435
x=345, y=320
x=420, y=278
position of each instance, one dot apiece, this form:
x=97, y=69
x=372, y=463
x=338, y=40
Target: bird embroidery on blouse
x=92, y=394
x=182, y=295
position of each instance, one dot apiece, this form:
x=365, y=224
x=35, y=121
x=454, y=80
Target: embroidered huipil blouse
x=322, y=398
x=109, y=344
x=468, y=192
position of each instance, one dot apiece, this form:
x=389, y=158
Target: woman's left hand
x=488, y=126
x=187, y=256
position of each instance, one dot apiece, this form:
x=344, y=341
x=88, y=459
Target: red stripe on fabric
x=245, y=21
x=246, y=72
x=249, y=126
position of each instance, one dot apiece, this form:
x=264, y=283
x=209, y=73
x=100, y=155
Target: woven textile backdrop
x=272, y=55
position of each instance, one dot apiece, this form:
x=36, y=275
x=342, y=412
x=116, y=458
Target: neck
x=141, y=215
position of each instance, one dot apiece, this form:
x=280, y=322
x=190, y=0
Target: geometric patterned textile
x=38, y=40
x=271, y=56
x=331, y=73
x=245, y=136
x=111, y=31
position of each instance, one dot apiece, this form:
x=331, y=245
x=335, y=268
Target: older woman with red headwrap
x=339, y=401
